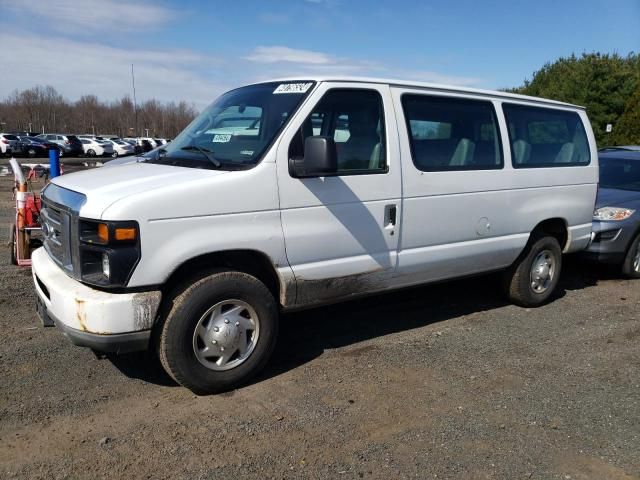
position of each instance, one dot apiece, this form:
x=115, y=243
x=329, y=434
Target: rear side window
x=543, y=137
x=452, y=133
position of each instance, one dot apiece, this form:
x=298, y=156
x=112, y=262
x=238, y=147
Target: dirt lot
x=446, y=381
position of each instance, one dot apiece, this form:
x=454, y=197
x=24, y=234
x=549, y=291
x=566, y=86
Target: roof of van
x=430, y=86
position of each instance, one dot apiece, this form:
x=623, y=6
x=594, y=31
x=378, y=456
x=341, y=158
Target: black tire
x=13, y=244
x=31, y=153
x=114, y=154
x=629, y=267
x=183, y=311
x=91, y=153
x=518, y=278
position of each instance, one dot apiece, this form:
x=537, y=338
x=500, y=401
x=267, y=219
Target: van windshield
x=235, y=131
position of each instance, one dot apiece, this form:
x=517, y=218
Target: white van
x=295, y=193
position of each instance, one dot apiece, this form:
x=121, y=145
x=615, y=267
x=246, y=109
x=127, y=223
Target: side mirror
x=320, y=158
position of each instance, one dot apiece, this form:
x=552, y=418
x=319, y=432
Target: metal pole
x=135, y=104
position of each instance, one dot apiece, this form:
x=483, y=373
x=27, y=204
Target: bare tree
x=43, y=109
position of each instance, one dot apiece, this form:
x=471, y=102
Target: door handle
x=390, y=216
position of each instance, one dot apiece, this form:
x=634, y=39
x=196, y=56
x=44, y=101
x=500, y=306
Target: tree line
x=608, y=85
x=42, y=108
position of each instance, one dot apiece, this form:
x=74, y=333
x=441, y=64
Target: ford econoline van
x=301, y=192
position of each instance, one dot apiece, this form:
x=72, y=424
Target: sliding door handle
x=390, y=216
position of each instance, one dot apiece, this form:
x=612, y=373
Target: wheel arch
x=556, y=227
x=252, y=262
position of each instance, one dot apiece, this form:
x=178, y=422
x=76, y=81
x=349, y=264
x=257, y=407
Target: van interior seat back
x=521, y=152
x=362, y=149
x=463, y=154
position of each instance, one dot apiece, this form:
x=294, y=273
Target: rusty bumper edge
x=113, y=343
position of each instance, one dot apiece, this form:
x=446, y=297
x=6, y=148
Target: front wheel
x=91, y=153
x=13, y=244
x=533, y=277
x=218, y=331
x=631, y=264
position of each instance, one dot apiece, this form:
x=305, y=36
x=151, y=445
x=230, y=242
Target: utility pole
x=135, y=105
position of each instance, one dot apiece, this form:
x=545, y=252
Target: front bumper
x=611, y=241
x=103, y=321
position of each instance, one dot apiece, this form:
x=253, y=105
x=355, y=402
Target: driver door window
x=354, y=120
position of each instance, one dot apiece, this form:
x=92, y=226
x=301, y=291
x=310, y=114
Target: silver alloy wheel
x=636, y=259
x=226, y=335
x=543, y=271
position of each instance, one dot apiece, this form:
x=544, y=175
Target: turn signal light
x=103, y=232
x=122, y=234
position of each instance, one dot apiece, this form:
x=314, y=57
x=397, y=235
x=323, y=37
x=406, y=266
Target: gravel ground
x=445, y=381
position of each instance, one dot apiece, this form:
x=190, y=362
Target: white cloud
x=92, y=68
x=92, y=15
x=279, y=54
x=281, y=61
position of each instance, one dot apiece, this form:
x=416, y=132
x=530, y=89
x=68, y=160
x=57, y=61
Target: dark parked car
x=616, y=220
x=147, y=146
x=34, y=147
x=70, y=145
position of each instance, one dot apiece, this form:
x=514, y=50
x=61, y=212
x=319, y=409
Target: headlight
x=612, y=213
x=109, y=252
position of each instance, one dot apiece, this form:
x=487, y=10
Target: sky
x=195, y=50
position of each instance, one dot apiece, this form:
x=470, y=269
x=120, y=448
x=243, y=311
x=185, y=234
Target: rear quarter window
x=546, y=137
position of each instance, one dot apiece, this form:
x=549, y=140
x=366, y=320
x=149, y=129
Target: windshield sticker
x=246, y=152
x=221, y=138
x=293, y=87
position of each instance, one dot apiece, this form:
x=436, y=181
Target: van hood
x=105, y=186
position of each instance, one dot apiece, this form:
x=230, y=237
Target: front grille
x=59, y=219
x=56, y=232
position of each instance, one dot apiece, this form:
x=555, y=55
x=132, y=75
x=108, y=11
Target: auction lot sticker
x=293, y=87
x=221, y=138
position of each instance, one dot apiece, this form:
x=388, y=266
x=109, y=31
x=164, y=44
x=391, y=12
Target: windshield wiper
x=205, y=152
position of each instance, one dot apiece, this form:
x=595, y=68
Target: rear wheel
x=631, y=264
x=218, y=331
x=91, y=153
x=31, y=152
x=533, y=277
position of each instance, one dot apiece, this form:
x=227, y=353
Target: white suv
x=8, y=143
x=290, y=194
x=96, y=148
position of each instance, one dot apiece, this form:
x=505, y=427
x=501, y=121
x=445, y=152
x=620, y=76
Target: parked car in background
x=70, y=145
x=94, y=148
x=632, y=148
x=120, y=147
x=616, y=220
x=8, y=143
x=160, y=141
x=151, y=141
x=34, y=147
x=137, y=144
x=147, y=145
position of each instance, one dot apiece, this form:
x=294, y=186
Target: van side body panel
x=459, y=223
